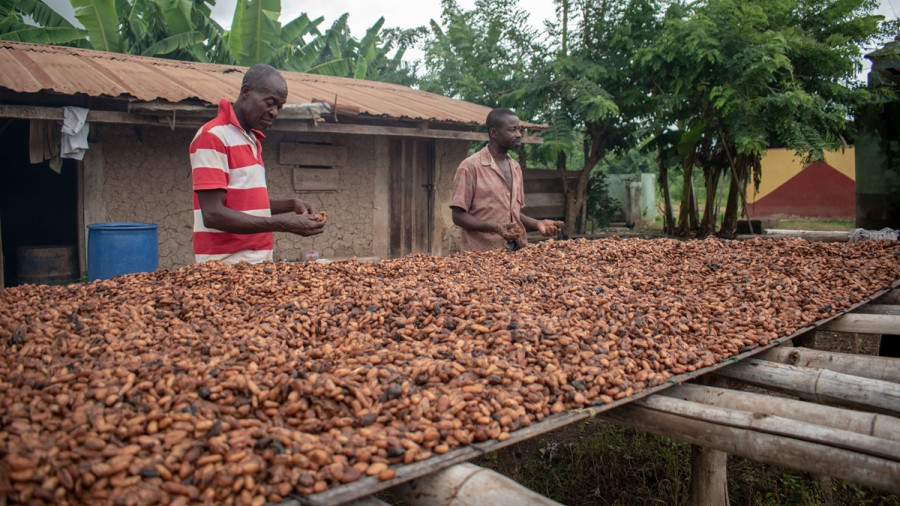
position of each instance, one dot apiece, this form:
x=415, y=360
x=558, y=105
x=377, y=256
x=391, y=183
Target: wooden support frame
x=865, y=324
x=777, y=425
x=818, y=385
x=709, y=477
x=763, y=447
x=864, y=366
x=468, y=484
x=869, y=424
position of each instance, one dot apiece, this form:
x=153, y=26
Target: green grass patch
x=818, y=224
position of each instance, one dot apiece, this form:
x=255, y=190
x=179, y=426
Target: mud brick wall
x=142, y=174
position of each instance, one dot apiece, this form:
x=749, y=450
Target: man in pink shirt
x=233, y=215
x=488, y=194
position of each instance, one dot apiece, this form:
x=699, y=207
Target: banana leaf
x=298, y=27
x=177, y=14
x=362, y=66
x=40, y=35
x=337, y=68
x=42, y=14
x=174, y=43
x=303, y=58
x=101, y=20
x=255, y=31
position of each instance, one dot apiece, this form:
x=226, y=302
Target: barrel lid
x=122, y=225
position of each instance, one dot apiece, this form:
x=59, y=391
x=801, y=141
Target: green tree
x=481, y=55
x=738, y=77
x=592, y=96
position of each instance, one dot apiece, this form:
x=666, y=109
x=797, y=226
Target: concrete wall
x=139, y=173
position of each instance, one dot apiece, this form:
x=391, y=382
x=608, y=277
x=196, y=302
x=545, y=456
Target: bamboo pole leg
x=820, y=385
x=709, y=477
x=814, y=458
x=467, y=485
x=865, y=366
x=825, y=488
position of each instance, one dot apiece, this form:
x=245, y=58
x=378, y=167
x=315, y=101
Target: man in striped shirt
x=233, y=215
x=488, y=194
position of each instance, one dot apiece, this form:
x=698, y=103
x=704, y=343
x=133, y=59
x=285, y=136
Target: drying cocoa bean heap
x=244, y=384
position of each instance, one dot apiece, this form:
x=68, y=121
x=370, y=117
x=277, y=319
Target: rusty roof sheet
x=34, y=68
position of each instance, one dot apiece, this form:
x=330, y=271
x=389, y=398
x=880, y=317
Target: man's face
x=260, y=105
x=509, y=133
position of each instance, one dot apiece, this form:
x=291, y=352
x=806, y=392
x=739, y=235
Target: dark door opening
x=38, y=213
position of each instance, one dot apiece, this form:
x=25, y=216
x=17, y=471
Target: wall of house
x=140, y=173
x=789, y=187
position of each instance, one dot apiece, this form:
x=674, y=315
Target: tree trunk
x=594, y=149
x=668, y=219
x=729, y=220
x=711, y=182
x=572, y=209
x=684, y=211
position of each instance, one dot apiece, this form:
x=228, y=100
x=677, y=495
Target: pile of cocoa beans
x=248, y=383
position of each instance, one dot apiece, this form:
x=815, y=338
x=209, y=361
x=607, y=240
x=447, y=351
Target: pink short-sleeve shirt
x=480, y=189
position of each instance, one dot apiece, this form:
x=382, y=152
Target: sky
x=405, y=13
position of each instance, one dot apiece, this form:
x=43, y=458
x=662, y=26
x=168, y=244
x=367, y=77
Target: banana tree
x=50, y=27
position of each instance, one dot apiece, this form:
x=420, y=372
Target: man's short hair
x=258, y=76
x=495, y=117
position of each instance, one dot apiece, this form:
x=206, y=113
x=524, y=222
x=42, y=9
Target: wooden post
x=864, y=323
x=866, y=366
x=860, y=422
x=806, y=456
x=468, y=485
x=772, y=424
x=709, y=479
x=818, y=385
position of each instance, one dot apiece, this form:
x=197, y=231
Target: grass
x=823, y=224
x=817, y=224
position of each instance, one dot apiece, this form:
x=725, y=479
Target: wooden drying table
x=860, y=445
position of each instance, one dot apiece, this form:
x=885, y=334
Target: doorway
x=38, y=210
x=411, y=167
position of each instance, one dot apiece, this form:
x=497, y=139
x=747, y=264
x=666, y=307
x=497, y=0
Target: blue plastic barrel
x=121, y=248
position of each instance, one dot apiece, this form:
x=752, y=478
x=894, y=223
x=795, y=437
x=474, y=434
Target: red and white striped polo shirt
x=225, y=157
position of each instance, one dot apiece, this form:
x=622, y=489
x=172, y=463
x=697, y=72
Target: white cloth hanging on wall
x=74, y=140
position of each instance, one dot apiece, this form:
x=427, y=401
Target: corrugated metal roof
x=33, y=68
